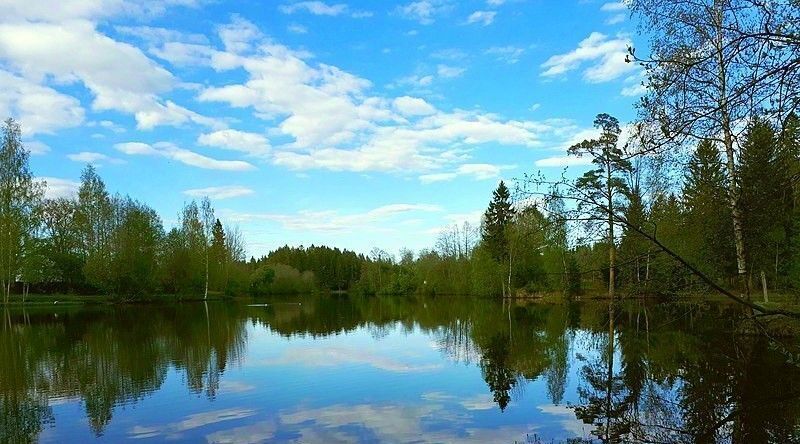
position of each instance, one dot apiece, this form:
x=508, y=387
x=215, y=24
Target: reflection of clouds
x=332, y=356
x=173, y=430
x=389, y=423
x=395, y=423
x=253, y=433
x=480, y=401
x=568, y=421
x=235, y=387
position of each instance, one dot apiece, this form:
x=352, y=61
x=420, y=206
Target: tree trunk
x=764, y=286
x=205, y=296
x=611, y=250
x=730, y=157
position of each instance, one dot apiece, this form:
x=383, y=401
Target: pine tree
x=496, y=220
x=601, y=188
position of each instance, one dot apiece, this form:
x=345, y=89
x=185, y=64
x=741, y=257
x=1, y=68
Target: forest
x=700, y=191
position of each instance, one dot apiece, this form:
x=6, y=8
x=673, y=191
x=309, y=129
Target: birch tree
x=20, y=197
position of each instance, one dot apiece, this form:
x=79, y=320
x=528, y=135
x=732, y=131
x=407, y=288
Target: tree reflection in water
x=666, y=373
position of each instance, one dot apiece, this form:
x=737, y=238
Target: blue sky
x=352, y=123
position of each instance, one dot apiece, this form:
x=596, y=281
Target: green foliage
x=280, y=279
x=20, y=197
x=496, y=220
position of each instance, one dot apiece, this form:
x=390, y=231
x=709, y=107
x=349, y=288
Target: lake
x=392, y=369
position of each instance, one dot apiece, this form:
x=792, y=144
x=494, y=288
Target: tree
x=135, y=253
x=59, y=229
x=219, y=256
x=602, y=187
x=193, y=248
x=94, y=221
x=207, y=221
x=20, y=197
x=764, y=175
x=496, y=220
x=710, y=68
x=707, y=217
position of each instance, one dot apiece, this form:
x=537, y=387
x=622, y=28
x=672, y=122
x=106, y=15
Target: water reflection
x=338, y=368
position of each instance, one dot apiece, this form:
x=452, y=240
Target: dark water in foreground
x=351, y=369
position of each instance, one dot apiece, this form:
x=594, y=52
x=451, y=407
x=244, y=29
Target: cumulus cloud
x=57, y=187
x=314, y=7
x=613, y=7
x=250, y=143
x=332, y=121
x=563, y=161
x=220, y=193
x=333, y=220
x=507, y=54
x=40, y=109
x=297, y=28
x=36, y=148
x=483, y=17
x=413, y=106
x=423, y=11
x=604, y=56
x=92, y=157
x=187, y=157
x=74, y=51
x=449, y=72
x=478, y=171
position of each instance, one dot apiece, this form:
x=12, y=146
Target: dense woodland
x=700, y=190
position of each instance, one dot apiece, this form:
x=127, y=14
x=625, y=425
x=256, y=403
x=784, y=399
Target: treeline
x=102, y=243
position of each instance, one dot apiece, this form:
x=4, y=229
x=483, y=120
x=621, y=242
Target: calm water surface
x=351, y=369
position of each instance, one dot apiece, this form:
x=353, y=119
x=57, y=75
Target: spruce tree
x=763, y=178
x=496, y=220
x=709, y=233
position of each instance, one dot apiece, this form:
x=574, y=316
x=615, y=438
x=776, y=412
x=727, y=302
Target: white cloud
x=332, y=220
x=495, y=2
x=314, y=7
x=230, y=139
x=535, y=106
x=413, y=106
x=170, y=151
x=57, y=187
x=614, y=6
x=219, y=193
x=606, y=57
x=36, y=148
x=634, y=85
x=614, y=19
x=297, y=28
x=327, y=118
x=159, y=36
x=478, y=171
x=39, y=109
x=483, y=17
x=449, y=72
x=74, y=51
x=508, y=54
x=87, y=9
x=92, y=157
x=424, y=11
x=563, y=161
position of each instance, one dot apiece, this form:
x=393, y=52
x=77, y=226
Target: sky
x=351, y=123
